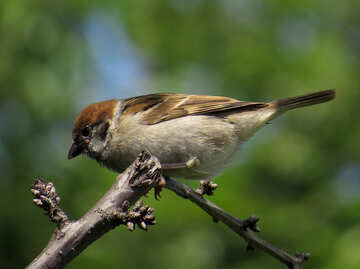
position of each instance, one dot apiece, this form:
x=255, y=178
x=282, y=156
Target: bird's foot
x=158, y=187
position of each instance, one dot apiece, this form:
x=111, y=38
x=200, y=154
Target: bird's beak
x=75, y=150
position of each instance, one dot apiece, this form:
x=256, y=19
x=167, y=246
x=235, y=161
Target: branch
x=70, y=238
x=241, y=227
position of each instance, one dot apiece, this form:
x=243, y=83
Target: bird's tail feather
x=283, y=105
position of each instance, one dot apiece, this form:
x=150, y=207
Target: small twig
x=206, y=187
x=140, y=215
x=45, y=196
x=251, y=223
x=237, y=225
x=72, y=237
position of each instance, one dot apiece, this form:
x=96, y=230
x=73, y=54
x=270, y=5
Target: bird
x=193, y=136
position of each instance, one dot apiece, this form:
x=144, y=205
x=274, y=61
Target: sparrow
x=193, y=136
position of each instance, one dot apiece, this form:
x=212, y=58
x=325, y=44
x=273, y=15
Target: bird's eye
x=86, y=131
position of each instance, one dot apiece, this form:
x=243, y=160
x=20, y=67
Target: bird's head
x=91, y=128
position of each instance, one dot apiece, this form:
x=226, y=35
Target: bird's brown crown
x=94, y=113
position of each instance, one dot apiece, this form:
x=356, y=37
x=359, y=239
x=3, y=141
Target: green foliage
x=300, y=175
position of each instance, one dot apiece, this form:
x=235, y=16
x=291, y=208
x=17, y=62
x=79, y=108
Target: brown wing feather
x=167, y=106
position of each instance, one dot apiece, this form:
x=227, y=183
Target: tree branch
x=70, y=238
x=241, y=227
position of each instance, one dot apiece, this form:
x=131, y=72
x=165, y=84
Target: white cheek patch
x=96, y=146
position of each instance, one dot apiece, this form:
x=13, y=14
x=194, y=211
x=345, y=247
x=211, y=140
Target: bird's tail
x=283, y=105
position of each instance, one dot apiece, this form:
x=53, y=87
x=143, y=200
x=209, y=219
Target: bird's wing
x=166, y=106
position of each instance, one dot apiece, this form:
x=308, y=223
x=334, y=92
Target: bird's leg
x=193, y=162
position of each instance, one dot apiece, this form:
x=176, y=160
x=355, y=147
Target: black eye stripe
x=86, y=131
x=98, y=129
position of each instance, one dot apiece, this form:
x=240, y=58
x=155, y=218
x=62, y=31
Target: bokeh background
x=300, y=175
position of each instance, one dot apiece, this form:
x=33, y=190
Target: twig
x=72, y=237
x=241, y=227
x=206, y=187
x=45, y=196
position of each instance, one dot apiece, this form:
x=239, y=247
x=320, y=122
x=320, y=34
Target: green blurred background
x=300, y=175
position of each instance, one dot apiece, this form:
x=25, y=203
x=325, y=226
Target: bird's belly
x=213, y=141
